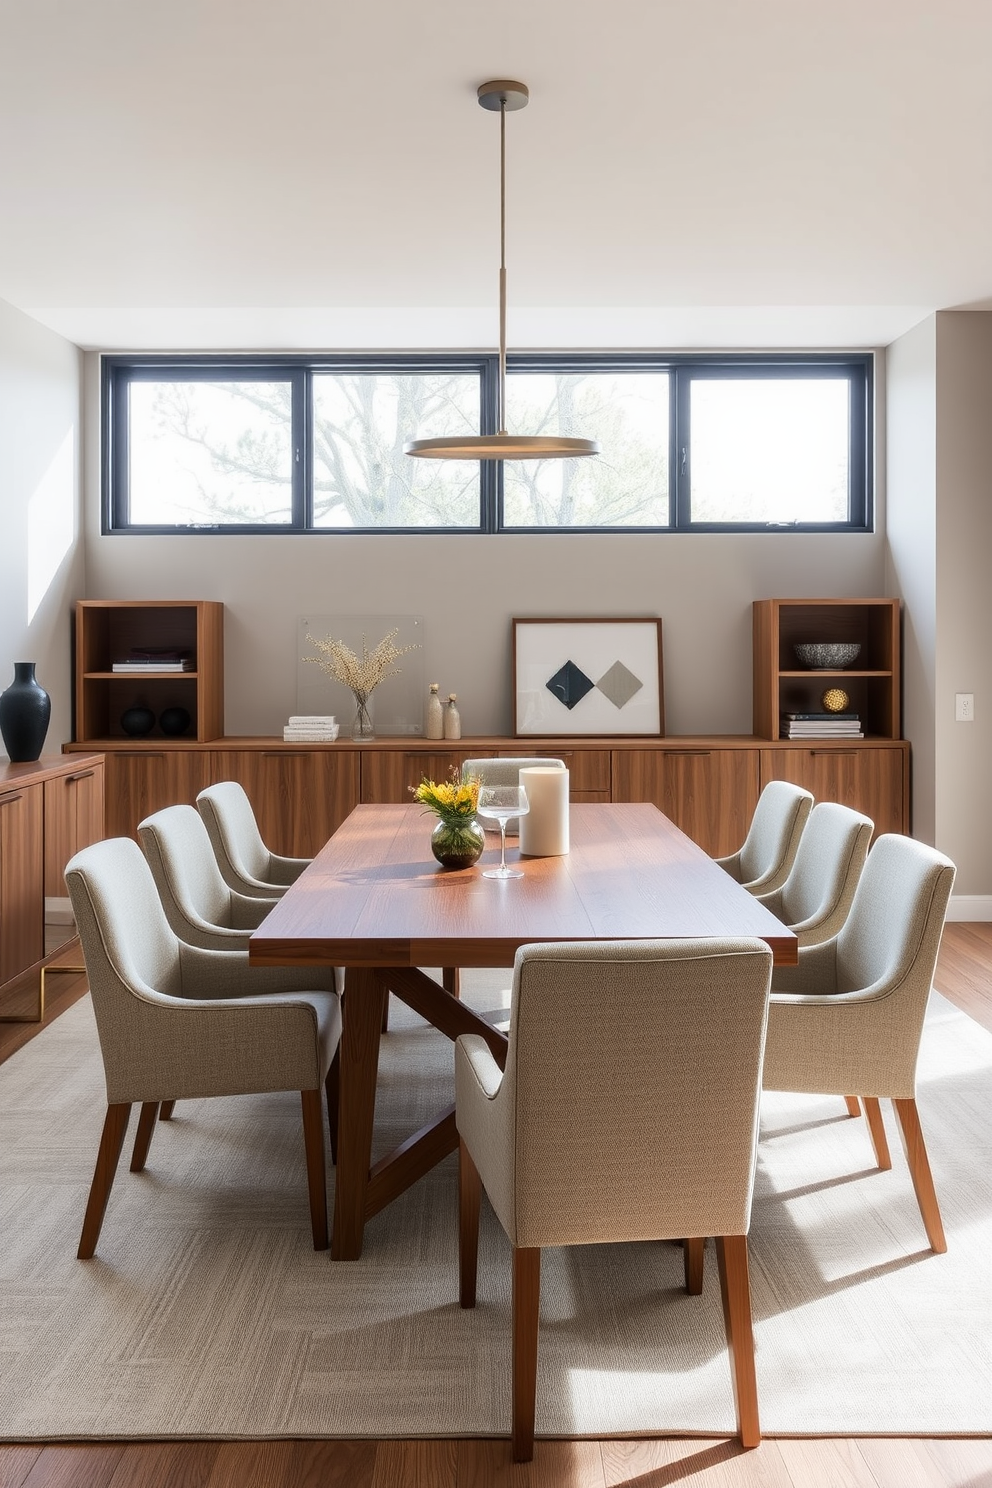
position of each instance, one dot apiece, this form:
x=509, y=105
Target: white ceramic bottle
x=434, y=714
x=452, y=718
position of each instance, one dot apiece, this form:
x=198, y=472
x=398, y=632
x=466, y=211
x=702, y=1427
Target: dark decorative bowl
x=828, y=656
x=174, y=721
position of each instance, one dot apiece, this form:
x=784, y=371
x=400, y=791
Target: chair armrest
x=211, y=975
x=773, y=902
x=815, y=975
x=731, y=865
x=248, y=913
x=477, y=1057
x=284, y=871
x=485, y=1114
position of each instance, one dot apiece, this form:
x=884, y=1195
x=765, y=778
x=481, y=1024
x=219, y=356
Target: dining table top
x=375, y=896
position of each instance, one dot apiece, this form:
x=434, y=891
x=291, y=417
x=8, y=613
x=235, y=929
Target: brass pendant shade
x=502, y=95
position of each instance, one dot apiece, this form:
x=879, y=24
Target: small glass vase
x=362, y=727
x=458, y=844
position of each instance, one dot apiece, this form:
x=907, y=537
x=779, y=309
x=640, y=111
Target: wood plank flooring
x=964, y=975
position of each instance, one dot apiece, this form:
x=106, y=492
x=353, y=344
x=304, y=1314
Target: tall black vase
x=25, y=710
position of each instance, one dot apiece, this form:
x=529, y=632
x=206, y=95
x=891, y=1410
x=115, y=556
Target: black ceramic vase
x=137, y=721
x=174, y=721
x=25, y=710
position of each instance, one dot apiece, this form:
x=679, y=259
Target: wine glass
x=501, y=803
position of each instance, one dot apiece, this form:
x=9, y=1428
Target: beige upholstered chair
x=647, y=1131
x=850, y=1016
x=178, y=1021
x=201, y=908
x=505, y=770
x=772, y=841
x=816, y=897
x=245, y=862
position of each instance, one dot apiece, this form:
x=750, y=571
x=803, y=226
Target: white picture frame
x=588, y=677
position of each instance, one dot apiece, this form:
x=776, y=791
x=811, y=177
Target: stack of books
x=311, y=728
x=155, y=659
x=821, y=726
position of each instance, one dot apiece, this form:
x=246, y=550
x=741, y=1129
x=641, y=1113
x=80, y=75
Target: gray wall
x=468, y=588
x=41, y=555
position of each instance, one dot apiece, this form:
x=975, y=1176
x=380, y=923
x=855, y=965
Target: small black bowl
x=138, y=721
x=174, y=721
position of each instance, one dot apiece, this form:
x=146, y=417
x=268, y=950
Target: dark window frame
x=118, y=371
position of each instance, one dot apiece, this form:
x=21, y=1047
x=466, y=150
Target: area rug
x=207, y=1314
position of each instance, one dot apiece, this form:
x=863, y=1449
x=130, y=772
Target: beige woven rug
x=207, y=1313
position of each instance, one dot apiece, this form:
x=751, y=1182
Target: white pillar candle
x=544, y=830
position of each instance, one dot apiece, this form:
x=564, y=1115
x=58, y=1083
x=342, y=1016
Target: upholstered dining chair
x=201, y=908
x=647, y=1131
x=848, y=1019
x=245, y=862
x=174, y=1021
x=505, y=770
x=816, y=897
x=769, y=850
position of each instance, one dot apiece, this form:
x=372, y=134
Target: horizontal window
x=290, y=444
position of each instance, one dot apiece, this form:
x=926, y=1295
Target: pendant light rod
x=502, y=94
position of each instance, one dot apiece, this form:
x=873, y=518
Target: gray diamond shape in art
x=619, y=684
x=569, y=685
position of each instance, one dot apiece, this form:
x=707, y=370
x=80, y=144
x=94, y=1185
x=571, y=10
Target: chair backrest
x=634, y=1073
x=128, y=947
x=773, y=838
x=230, y=822
x=832, y=852
x=189, y=881
x=892, y=934
x=506, y=771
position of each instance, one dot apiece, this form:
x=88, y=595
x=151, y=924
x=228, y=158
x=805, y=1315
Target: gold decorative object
x=835, y=700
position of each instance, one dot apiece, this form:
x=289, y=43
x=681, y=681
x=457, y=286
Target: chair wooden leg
x=469, y=1204
x=853, y=1105
x=451, y=980
x=332, y=1087
x=313, y=1138
x=107, y=1158
x=385, y=1010
x=919, y=1167
x=526, y=1313
x=143, y=1137
x=876, y=1130
x=735, y=1288
x=692, y=1256
x=165, y=1110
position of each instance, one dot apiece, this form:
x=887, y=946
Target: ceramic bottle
x=434, y=715
x=452, y=718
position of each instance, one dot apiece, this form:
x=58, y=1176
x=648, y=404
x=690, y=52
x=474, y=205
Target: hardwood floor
x=964, y=974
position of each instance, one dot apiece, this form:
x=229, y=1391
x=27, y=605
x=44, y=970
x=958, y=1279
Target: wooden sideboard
x=48, y=810
x=708, y=786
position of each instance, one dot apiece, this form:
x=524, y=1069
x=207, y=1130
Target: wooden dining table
x=375, y=902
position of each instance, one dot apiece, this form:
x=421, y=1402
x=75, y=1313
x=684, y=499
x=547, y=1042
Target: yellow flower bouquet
x=458, y=839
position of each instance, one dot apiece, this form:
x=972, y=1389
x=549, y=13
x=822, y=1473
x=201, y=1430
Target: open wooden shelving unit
x=782, y=684
x=107, y=629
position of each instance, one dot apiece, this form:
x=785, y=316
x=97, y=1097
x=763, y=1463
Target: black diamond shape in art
x=569, y=685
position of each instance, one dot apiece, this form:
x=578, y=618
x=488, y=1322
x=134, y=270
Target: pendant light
x=502, y=95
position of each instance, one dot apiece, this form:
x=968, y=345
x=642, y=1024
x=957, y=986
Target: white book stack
x=311, y=728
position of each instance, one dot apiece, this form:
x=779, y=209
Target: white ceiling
x=313, y=173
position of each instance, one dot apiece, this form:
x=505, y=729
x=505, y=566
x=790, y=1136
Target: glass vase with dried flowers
x=458, y=840
x=362, y=674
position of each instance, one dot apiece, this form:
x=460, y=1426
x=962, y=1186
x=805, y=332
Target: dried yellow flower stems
x=362, y=675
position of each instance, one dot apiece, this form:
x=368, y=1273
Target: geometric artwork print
x=619, y=684
x=569, y=685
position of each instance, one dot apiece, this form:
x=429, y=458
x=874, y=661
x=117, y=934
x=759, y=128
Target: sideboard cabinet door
x=388, y=774
x=869, y=780
x=300, y=797
x=73, y=819
x=709, y=793
x=22, y=880
x=139, y=782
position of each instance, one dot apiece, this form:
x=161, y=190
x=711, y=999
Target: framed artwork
x=588, y=677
